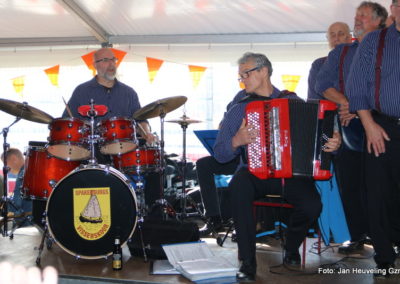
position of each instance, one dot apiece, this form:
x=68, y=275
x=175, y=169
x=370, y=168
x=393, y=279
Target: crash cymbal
x=184, y=120
x=23, y=110
x=159, y=107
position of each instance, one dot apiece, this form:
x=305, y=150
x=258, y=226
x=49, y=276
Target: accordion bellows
x=292, y=135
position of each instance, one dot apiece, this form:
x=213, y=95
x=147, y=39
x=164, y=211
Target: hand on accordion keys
x=332, y=144
x=245, y=135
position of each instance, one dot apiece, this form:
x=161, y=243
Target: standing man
x=373, y=89
x=331, y=80
x=338, y=33
x=255, y=71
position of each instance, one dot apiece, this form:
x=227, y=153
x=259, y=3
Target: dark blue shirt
x=328, y=76
x=360, y=86
x=312, y=78
x=121, y=100
x=229, y=126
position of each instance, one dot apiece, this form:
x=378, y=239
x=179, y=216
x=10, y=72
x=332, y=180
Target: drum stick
x=142, y=129
x=67, y=108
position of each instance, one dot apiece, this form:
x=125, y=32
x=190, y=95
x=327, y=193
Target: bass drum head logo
x=92, y=214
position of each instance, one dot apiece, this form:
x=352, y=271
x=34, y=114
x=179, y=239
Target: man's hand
x=344, y=114
x=375, y=134
x=333, y=143
x=245, y=135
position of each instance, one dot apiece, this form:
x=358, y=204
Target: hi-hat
x=184, y=120
x=159, y=107
x=23, y=110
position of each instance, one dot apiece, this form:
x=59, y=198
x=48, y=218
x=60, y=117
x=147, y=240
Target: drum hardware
x=160, y=108
x=92, y=111
x=184, y=122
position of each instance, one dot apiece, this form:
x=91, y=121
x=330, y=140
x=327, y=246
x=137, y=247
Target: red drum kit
x=89, y=204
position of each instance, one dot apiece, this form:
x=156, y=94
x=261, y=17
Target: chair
x=278, y=202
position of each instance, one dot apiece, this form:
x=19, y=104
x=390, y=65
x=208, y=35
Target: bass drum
x=89, y=208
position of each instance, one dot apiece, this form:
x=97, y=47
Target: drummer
x=120, y=99
x=105, y=89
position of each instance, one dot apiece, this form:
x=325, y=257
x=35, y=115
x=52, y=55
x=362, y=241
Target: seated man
x=17, y=206
x=255, y=71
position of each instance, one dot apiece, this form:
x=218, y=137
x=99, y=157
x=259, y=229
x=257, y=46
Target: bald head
x=338, y=33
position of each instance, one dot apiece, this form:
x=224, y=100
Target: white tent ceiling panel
x=66, y=22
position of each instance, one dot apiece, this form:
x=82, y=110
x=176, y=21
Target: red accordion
x=292, y=134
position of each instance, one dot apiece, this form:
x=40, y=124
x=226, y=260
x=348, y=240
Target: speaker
x=158, y=232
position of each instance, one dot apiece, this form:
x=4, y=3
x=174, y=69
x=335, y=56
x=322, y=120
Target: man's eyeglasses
x=106, y=60
x=246, y=74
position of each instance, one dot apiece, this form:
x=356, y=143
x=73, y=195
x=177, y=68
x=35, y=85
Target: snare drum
x=118, y=134
x=42, y=172
x=67, y=139
x=143, y=159
x=89, y=208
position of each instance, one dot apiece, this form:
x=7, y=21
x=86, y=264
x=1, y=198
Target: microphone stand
x=6, y=169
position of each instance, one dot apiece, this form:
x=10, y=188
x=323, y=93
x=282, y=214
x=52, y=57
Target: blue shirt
x=121, y=100
x=312, y=78
x=360, y=86
x=328, y=76
x=229, y=126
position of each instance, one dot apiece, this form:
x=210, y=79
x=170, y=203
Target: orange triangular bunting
x=52, y=73
x=290, y=82
x=19, y=84
x=196, y=72
x=153, y=65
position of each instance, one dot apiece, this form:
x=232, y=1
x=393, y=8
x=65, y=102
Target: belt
x=388, y=118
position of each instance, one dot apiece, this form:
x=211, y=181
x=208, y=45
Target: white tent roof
x=83, y=22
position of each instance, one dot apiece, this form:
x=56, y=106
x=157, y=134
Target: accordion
x=291, y=139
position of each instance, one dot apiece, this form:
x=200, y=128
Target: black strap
x=378, y=67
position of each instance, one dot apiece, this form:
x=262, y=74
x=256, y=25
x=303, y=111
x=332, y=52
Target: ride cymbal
x=23, y=110
x=159, y=107
x=184, y=120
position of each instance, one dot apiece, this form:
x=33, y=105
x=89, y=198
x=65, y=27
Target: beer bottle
x=117, y=255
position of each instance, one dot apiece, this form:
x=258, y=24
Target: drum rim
x=69, y=144
x=101, y=167
x=68, y=119
x=116, y=118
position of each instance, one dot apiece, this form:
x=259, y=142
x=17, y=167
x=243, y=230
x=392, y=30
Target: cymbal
x=24, y=111
x=184, y=120
x=159, y=107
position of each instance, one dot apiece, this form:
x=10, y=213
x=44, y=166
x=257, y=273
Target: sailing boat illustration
x=92, y=211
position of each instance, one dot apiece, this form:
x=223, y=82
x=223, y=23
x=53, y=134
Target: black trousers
x=206, y=168
x=383, y=190
x=300, y=192
x=349, y=173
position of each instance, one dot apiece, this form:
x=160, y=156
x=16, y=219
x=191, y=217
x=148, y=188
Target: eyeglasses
x=106, y=60
x=246, y=74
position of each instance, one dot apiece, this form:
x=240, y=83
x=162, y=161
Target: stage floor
x=22, y=250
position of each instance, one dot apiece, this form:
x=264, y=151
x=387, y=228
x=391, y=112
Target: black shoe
x=234, y=237
x=383, y=270
x=291, y=258
x=352, y=247
x=247, y=271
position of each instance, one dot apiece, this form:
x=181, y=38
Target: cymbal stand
x=92, y=137
x=162, y=201
x=4, y=201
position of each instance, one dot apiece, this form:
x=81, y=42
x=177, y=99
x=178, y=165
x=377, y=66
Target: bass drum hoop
x=59, y=230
